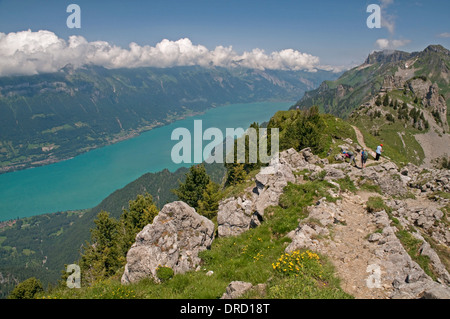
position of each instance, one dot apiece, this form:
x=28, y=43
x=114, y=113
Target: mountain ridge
x=356, y=86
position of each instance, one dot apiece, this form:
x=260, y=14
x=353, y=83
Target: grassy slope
x=248, y=257
x=392, y=143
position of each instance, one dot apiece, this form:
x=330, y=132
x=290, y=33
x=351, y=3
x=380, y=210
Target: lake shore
x=85, y=180
x=50, y=158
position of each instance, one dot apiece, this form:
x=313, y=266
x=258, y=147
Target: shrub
x=27, y=289
x=346, y=183
x=390, y=117
x=164, y=273
x=375, y=204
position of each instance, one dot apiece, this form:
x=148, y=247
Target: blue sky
x=334, y=31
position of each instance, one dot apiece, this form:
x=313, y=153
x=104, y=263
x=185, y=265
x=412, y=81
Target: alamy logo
x=213, y=152
x=374, y=279
x=74, y=280
x=73, y=20
x=374, y=20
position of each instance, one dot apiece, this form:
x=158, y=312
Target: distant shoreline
x=113, y=140
x=39, y=184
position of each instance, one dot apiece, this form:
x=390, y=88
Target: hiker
x=351, y=156
x=378, y=151
x=364, y=157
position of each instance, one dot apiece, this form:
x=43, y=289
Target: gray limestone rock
x=236, y=289
x=174, y=239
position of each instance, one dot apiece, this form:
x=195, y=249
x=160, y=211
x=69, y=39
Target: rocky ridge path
x=351, y=252
x=367, y=254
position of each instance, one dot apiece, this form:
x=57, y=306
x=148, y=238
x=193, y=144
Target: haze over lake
x=84, y=181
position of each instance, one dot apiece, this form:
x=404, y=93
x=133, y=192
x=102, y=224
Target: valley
x=56, y=116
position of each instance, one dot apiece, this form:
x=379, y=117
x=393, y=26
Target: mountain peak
x=437, y=48
x=387, y=56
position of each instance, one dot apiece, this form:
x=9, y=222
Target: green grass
x=304, y=275
x=443, y=251
x=58, y=128
x=412, y=246
x=375, y=204
x=393, y=147
x=248, y=257
x=346, y=184
x=368, y=185
x=238, y=189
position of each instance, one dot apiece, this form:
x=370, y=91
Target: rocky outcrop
x=429, y=94
x=436, y=102
x=387, y=176
x=392, y=82
x=174, y=240
x=238, y=214
x=425, y=217
x=237, y=289
x=401, y=276
x=407, y=277
x=235, y=216
x=427, y=180
x=387, y=56
x=320, y=216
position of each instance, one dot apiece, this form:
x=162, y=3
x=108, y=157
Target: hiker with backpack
x=364, y=157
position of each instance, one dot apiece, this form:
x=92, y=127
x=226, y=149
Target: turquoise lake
x=85, y=180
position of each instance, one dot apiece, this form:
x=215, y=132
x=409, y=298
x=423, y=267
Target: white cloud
x=444, y=35
x=387, y=20
x=29, y=52
x=385, y=44
x=385, y=3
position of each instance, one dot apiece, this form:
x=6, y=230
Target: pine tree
x=378, y=101
x=102, y=257
x=386, y=100
x=191, y=191
x=140, y=213
x=236, y=173
x=252, y=166
x=309, y=130
x=209, y=205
